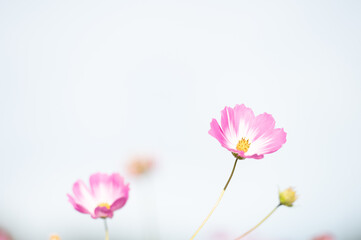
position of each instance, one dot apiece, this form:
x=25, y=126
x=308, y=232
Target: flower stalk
x=259, y=224
x=286, y=198
x=106, y=229
x=218, y=201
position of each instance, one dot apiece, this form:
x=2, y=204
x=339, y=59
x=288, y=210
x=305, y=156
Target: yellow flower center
x=104, y=205
x=243, y=145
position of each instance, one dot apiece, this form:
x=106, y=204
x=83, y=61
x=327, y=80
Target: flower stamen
x=243, y=145
x=104, y=205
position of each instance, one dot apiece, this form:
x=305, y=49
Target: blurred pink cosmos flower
x=4, y=235
x=247, y=135
x=324, y=237
x=107, y=193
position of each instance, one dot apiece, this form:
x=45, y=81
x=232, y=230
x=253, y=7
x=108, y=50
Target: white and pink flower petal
x=118, y=188
x=119, y=203
x=217, y=132
x=83, y=196
x=261, y=125
x=107, y=188
x=77, y=206
x=269, y=142
x=229, y=126
x=245, y=117
x=100, y=184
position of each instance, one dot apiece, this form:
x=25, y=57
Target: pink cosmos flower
x=247, y=135
x=107, y=193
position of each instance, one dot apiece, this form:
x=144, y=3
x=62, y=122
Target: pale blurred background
x=85, y=85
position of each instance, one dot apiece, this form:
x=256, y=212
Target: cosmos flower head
x=247, y=135
x=106, y=194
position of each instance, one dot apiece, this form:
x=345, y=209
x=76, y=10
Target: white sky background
x=86, y=84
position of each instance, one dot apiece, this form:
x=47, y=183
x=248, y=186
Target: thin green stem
x=264, y=219
x=230, y=177
x=218, y=201
x=106, y=229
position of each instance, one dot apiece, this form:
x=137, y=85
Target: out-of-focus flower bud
x=287, y=197
x=54, y=237
x=140, y=165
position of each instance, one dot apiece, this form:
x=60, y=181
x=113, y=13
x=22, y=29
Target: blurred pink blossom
x=220, y=235
x=5, y=235
x=107, y=193
x=247, y=135
x=324, y=237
